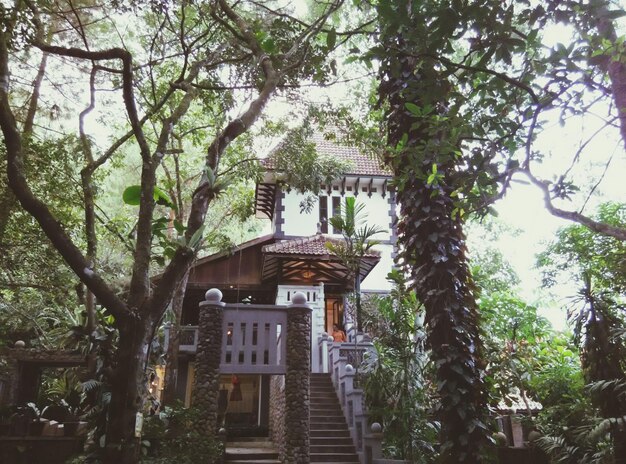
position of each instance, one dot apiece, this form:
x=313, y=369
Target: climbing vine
x=448, y=144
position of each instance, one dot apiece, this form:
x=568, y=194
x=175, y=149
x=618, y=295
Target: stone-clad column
x=297, y=381
x=208, y=355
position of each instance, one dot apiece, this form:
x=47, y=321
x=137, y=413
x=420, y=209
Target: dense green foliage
x=598, y=317
x=397, y=384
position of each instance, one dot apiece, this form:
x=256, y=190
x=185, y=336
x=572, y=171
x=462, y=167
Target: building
x=271, y=269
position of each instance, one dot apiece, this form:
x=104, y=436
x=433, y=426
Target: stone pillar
x=297, y=381
x=208, y=356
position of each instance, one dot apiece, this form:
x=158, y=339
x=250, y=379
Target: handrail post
x=373, y=444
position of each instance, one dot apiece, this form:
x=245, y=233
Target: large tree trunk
x=432, y=247
x=128, y=390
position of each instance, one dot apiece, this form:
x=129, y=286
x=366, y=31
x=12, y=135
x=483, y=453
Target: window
x=336, y=212
x=324, y=215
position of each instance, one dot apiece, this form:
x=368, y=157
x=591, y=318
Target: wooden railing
x=188, y=339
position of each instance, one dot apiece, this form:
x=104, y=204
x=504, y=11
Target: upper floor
x=365, y=180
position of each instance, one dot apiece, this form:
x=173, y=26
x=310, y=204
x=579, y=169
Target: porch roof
x=308, y=259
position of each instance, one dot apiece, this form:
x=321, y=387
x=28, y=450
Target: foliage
x=176, y=436
x=597, y=316
x=436, y=179
x=165, y=81
x=578, y=251
x=513, y=333
x=396, y=384
x=357, y=242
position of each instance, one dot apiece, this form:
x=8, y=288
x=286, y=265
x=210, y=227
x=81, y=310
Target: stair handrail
x=335, y=360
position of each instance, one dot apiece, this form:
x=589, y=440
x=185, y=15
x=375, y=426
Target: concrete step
x=336, y=433
x=331, y=440
x=339, y=449
x=321, y=419
x=251, y=451
x=333, y=457
x=256, y=461
x=315, y=425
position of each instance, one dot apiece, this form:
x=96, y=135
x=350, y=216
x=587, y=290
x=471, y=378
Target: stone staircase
x=251, y=451
x=330, y=437
x=330, y=440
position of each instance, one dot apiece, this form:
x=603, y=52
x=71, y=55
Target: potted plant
x=72, y=419
x=37, y=423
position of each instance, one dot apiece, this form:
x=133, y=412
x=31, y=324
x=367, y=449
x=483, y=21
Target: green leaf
x=132, y=195
x=413, y=108
x=331, y=39
x=162, y=198
x=268, y=45
x=179, y=226
x=196, y=238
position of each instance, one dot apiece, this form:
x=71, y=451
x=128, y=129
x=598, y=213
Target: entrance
x=333, y=312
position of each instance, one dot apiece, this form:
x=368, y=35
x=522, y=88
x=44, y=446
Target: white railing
x=338, y=360
x=252, y=340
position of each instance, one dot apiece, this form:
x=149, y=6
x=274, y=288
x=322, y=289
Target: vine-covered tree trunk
x=432, y=242
x=602, y=361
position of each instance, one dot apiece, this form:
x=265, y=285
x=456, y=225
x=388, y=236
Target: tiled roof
x=361, y=164
x=314, y=246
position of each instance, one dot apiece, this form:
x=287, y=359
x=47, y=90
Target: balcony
x=252, y=340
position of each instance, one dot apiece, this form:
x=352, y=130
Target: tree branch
x=51, y=227
x=595, y=226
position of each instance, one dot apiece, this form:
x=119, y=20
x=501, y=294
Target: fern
x=580, y=445
x=90, y=385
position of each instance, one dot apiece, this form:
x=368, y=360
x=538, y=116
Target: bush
x=173, y=436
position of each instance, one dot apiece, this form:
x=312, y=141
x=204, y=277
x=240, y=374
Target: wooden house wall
x=242, y=268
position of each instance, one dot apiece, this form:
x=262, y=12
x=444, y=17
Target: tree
x=357, y=244
x=596, y=262
x=194, y=55
x=465, y=89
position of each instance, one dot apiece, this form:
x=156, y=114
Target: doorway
x=333, y=312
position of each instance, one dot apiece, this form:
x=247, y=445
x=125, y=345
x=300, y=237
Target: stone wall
x=206, y=387
x=14, y=376
x=277, y=413
x=297, y=381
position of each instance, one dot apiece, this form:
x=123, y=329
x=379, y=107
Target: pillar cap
x=376, y=428
x=298, y=298
x=213, y=295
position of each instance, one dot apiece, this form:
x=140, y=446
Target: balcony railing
x=188, y=339
x=253, y=340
